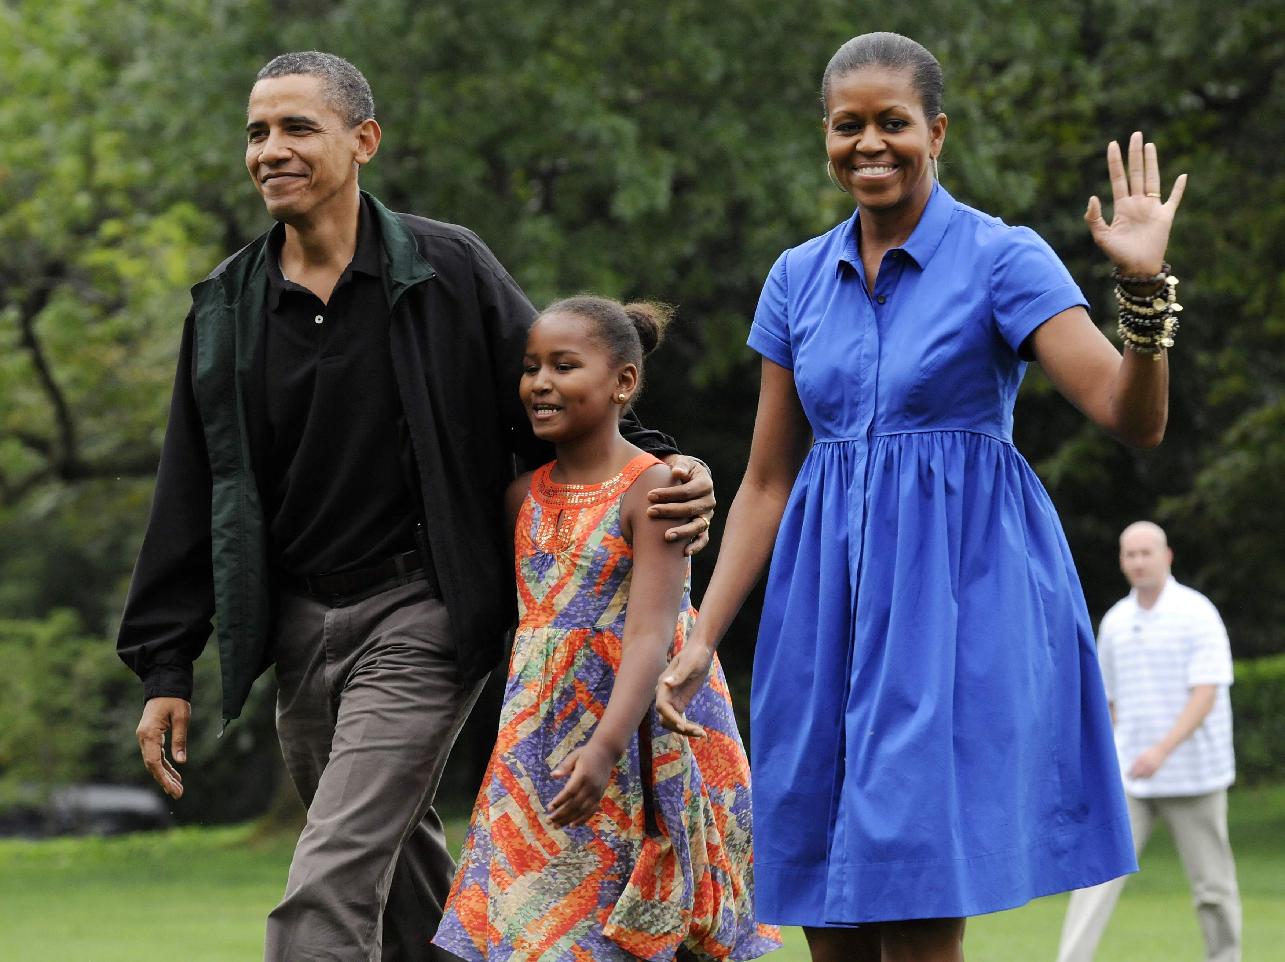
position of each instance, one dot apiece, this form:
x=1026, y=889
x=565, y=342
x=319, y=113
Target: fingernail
x=180, y=756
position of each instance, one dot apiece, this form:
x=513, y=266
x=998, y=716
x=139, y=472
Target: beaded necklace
x=561, y=503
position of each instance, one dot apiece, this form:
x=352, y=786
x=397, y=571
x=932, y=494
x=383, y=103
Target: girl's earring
x=936, y=175
x=622, y=398
x=829, y=172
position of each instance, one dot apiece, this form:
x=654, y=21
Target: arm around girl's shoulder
x=641, y=527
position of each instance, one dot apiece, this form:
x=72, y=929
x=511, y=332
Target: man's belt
x=399, y=569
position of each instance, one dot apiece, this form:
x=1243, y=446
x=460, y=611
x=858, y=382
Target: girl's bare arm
x=514, y=495
x=655, y=592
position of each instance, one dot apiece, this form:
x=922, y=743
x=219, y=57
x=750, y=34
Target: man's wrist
x=168, y=681
x=702, y=463
x=669, y=459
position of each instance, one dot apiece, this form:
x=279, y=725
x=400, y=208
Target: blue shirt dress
x=930, y=735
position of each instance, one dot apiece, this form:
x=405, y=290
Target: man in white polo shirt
x=1167, y=667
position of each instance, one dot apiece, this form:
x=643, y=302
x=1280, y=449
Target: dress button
x=881, y=299
x=318, y=319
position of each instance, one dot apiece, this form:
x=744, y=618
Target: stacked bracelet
x=1148, y=322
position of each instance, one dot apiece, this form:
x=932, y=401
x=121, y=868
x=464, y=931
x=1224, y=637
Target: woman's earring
x=622, y=398
x=829, y=172
x=936, y=175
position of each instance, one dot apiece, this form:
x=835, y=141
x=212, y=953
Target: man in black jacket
x=344, y=422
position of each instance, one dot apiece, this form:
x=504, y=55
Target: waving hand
x=1138, y=233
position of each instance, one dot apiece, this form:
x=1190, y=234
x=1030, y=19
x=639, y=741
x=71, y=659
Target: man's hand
x=587, y=771
x=1148, y=763
x=161, y=715
x=691, y=497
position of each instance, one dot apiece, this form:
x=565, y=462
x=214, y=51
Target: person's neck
x=325, y=242
x=593, y=458
x=1148, y=596
x=883, y=230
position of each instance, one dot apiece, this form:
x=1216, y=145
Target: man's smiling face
x=300, y=153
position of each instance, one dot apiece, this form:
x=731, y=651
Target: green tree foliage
x=667, y=150
x=68, y=712
x=56, y=705
x=1258, y=702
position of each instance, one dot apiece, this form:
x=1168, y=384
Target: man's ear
x=368, y=137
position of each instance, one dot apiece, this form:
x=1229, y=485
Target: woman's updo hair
x=891, y=51
x=629, y=332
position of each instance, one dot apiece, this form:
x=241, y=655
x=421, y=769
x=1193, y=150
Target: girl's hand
x=1138, y=234
x=587, y=770
x=685, y=676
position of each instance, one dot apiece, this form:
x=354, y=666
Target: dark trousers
x=367, y=711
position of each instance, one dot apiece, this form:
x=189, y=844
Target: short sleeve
x=1210, y=661
x=1106, y=656
x=1029, y=284
x=770, y=332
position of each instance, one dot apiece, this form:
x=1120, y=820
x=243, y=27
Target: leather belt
x=399, y=569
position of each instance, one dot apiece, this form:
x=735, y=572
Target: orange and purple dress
x=663, y=869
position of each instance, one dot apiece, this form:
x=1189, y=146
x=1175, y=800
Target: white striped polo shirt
x=1151, y=658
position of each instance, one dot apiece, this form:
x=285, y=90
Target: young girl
x=597, y=835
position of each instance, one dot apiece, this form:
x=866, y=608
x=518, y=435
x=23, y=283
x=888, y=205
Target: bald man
x=1167, y=667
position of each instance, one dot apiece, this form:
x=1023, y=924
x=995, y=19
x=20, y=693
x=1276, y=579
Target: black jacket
x=457, y=332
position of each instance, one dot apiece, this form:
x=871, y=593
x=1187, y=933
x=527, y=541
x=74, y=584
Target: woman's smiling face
x=879, y=141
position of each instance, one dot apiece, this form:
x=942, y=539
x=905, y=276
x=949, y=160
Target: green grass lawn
x=200, y=895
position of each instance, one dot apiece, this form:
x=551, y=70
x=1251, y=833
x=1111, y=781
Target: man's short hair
x=344, y=86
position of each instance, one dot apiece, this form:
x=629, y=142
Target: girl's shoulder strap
x=636, y=466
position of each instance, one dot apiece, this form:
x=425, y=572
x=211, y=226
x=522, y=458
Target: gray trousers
x=367, y=710
x=1198, y=824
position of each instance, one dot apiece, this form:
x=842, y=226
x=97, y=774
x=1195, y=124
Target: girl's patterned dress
x=663, y=869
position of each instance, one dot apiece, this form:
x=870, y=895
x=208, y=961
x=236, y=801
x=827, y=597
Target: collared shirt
x=1151, y=659
x=335, y=477
x=943, y=327
x=457, y=330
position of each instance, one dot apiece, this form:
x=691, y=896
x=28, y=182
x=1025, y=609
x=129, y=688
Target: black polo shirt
x=335, y=472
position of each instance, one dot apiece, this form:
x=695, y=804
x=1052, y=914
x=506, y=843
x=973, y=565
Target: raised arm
x=1127, y=396
x=782, y=437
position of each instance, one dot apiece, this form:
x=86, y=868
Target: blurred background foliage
x=664, y=150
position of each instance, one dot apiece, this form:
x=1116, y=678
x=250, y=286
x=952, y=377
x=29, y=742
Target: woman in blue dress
x=930, y=736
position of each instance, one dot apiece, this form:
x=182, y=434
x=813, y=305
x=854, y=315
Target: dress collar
x=924, y=239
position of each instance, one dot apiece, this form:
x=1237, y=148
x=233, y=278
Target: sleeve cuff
x=1223, y=678
x=1047, y=305
x=168, y=681
x=771, y=347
